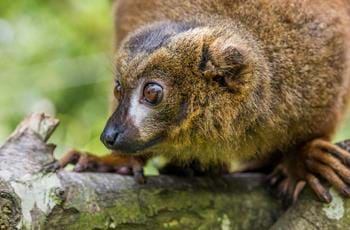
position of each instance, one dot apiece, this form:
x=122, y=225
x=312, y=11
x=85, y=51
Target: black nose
x=109, y=136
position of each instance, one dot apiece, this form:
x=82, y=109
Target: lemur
x=228, y=84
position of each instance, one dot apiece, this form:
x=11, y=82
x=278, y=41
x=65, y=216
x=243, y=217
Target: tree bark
x=30, y=199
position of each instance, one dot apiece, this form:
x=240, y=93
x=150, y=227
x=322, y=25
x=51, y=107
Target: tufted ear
x=224, y=62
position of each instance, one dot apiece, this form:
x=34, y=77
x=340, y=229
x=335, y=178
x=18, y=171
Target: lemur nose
x=109, y=136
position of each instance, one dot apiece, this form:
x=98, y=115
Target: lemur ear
x=223, y=62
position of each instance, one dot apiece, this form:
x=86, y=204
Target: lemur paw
x=317, y=160
x=86, y=162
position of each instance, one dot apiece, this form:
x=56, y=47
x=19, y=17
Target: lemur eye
x=153, y=93
x=117, y=88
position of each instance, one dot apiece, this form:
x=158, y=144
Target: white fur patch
x=137, y=111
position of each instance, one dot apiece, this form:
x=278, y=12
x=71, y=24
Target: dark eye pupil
x=153, y=93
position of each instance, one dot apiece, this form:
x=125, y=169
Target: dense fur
x=243, y=79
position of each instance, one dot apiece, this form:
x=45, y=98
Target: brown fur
x=294, y=87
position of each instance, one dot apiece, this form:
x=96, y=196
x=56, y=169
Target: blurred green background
x=56, y=56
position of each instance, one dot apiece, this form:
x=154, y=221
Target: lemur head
x=174, y=77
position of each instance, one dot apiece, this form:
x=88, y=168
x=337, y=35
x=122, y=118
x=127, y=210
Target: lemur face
x=143, y=114
x=148, y=101
x=166, y=73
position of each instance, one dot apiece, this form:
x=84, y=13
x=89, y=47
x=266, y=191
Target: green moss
x=181, y=209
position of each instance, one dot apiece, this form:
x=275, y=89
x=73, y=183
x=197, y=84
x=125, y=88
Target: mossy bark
x=68, y=200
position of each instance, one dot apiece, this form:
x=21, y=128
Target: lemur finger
x=337, y=151
x=82, y=164
x=327, y=173
x=318, y=188
x=70, y=157
x=297, y=190
x=334, y=163
x=277, y=174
